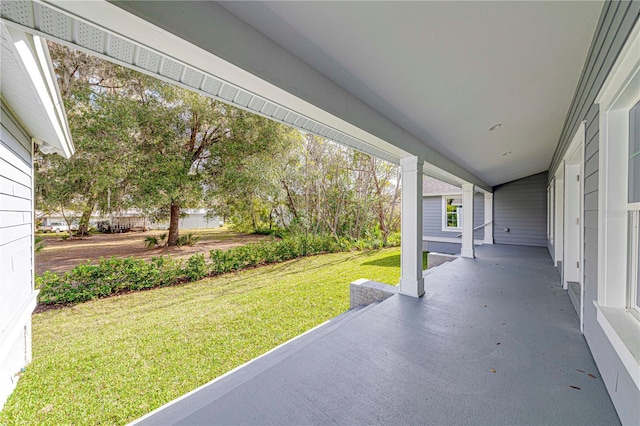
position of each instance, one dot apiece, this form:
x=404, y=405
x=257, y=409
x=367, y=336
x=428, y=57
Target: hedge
x=110, y=276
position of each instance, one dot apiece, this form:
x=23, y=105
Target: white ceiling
x=448, y=71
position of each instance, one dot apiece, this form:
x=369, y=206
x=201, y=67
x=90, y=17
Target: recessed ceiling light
x=504, y=154
x=497, y=126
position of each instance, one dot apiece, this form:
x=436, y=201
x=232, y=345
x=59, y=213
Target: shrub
x=188, y=240
x=393, y=240
x=273, y=251
x=276, y=232
x=170, y=269
x=196, y=268
x=151, y=242
x=89, y=281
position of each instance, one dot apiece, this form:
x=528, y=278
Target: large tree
x=311, y=186
x=149, y=144
x=160, y=148
x=178, y=129
x=188, y=143
x=102, y=126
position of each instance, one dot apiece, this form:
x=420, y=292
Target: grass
x=112, y=360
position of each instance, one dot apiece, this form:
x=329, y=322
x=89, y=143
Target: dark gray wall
x=521, y=206
x=432, y=217
x=615, y=24
x=438, y=247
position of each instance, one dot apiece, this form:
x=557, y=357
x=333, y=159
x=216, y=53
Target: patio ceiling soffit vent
x=59, y=25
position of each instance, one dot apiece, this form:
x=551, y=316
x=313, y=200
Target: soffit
x=448, y=71
x=20, y=95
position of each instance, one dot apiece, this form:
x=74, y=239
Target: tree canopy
x=160, y=148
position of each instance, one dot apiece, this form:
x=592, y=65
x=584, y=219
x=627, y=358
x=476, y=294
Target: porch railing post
x=488, y=218
x=467, y=220
x=411, y=281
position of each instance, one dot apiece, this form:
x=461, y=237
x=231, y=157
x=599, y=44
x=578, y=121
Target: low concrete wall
x=365, y=292
x=436, y=259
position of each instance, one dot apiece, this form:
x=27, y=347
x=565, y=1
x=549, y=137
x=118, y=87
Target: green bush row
x=90, y=281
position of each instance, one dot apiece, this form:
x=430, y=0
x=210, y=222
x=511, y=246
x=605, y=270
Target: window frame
x=633, y=288
x=445, y=213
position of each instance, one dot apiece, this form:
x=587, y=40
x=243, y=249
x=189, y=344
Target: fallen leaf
x=484, y=306
x=582, y=371
x=574, y=387
x=493, y=370
x=592, y=376
x=498, y=343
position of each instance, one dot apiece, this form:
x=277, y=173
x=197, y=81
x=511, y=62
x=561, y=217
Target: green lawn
x=110, y=361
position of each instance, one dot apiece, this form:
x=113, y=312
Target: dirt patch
x=59, y=255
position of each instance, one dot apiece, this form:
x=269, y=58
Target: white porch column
x=488, y=217
x=411, y=281
x=467, y=220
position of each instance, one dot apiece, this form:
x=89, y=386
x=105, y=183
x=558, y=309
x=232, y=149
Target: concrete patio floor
x=495, y=340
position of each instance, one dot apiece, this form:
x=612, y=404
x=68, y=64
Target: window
x=618, y=298
x=452, y=212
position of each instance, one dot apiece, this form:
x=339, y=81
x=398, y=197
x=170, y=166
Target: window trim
x=634, y=262
x=616, y=98
x=444, y=213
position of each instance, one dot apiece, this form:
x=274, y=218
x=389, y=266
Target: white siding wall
x=198, y=221
x=17, y=295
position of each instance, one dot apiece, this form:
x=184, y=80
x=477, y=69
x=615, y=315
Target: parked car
x=54, y=227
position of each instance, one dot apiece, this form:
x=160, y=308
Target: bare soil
x=61, y=255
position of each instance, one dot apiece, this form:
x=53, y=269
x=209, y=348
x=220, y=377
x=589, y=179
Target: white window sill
x=623, y=331
x=452, y=230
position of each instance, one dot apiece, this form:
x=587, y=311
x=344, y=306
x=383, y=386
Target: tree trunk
x=83, y=227
x=67, y=220
x=174, y=222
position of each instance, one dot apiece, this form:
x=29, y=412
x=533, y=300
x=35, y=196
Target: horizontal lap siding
x=478, y=216
x=432, y=214
x=521, y=207
x=432, y=218
x=16, y=218
x=615, y=24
